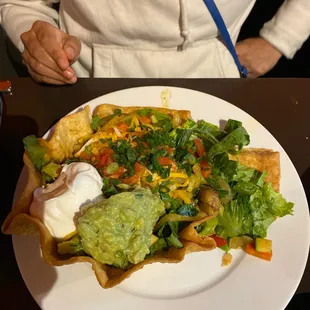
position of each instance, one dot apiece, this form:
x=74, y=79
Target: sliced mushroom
x=209, y=201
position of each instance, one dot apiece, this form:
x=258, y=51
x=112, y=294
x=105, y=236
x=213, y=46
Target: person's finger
x=35, y=49
x=72, y=48
x=52, y=45
x=43, y=79
x=41, y=69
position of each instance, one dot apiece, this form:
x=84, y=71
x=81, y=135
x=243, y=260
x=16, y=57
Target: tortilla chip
x=16, y=223
x=69, y=134
x=191, y=234
x=262, y=160
x=106, y=109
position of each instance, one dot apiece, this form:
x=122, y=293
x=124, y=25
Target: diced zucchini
x=239, y=242
x=154, y=119
x=263, y=245
x=112, y=168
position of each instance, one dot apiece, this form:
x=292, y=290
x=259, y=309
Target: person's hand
x=49, y=52
x=257, y=55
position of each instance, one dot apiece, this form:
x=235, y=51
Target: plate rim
x=172, y=88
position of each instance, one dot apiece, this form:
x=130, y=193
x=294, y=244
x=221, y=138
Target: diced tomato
x=132, y=180
x=106, y=158
x=118, y=173
x=205, y=169
x=139, y=170
x=166, y=161
x=84, y=156
x=250, y=249
x=123, y=127
x=145, y=119
x=170, y=150
x=200, y=149
x=219, y=241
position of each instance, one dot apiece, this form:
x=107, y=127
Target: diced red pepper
x=145, y=119
x=123, y=127
x=219, y=241
x=200, y=149
x=205, y=169
x=170, y=150
x=166, y=161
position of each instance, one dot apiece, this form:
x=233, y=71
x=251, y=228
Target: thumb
x=72, y=48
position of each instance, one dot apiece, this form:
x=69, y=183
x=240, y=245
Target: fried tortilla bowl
x=67, y=137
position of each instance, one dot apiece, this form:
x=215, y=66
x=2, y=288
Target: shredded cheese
x=183, y=195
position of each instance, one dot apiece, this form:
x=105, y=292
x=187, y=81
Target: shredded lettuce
x=254, y=205
x=277, y=205
x=252, y=211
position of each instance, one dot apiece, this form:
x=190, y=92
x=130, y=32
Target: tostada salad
x=127, y=186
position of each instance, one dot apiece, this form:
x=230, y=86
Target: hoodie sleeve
x=289, y=28
x=17, y=16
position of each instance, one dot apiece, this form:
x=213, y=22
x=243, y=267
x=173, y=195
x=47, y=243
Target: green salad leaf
x=232, y=125
x=276, y=203
x=170, y=231
x=207, y=228
x=36, y=151
x=252, y=211
x=232, y=143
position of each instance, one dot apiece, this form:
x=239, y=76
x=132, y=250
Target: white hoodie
x=155, y=38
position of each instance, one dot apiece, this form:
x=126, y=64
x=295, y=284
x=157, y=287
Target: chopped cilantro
x=149, y=178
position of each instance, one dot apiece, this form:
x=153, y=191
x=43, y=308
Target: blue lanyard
x=217, y=17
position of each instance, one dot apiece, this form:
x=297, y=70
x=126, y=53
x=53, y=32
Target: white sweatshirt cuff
x=17, y=20
x=289, y=28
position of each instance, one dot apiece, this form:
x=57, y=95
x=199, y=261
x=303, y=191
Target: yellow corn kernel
x=95, y=151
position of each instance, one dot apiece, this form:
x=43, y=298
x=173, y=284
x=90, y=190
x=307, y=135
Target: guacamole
x=117, y=231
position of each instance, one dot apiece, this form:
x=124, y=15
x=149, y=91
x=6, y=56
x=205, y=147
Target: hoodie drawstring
x=185, y=33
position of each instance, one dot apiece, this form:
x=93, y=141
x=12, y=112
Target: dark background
x=11, y=66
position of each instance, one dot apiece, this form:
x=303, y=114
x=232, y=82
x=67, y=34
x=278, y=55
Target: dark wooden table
x=282, y=106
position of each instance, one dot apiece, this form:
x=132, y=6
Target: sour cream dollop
x=58, y=203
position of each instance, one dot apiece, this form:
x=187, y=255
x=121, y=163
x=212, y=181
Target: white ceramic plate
x=199, y=282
